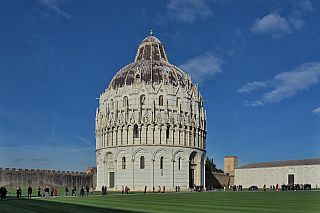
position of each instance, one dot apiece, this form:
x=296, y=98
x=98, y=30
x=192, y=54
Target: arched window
x=161, y=100
x=142, y=162
x=168, y=132
x=138, y=79
x=123, y=162
x=125, y=101
x=111, y=104
x=161, y=163
x=142, y=100
x=179, y=163
x=178, y=101
x=135, y=131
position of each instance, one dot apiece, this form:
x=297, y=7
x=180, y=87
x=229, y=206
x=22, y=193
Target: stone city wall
x=34, y=178
x=218, y=180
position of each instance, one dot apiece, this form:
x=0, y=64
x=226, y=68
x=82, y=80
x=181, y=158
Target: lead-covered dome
x=151, y=67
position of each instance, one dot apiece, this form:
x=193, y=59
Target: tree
x=211, y=167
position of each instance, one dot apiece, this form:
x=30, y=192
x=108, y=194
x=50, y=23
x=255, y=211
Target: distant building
x=91, y=170
x=305, y=171
x=230, y=164
x=150, y=125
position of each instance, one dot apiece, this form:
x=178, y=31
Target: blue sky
x=257, y=62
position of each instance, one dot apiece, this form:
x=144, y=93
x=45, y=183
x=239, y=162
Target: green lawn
x=256, y=201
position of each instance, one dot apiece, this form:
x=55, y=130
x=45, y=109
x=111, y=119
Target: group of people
x=296, y=187
x=84, y=191
x=237, y=188
x=104, y=190
x=197, y=188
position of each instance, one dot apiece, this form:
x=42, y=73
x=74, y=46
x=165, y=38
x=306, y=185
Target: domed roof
x=151, y=67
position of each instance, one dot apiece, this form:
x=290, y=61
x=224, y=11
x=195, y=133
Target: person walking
x=39, y=191
x=46, y=191
x=66, y=191
x=29, y=192
x=91, y=190
x=51, y=189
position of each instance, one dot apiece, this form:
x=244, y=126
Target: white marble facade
x=150, y=126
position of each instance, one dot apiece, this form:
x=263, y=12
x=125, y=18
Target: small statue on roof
x=151, y=32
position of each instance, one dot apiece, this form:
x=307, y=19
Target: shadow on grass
x=38, y=205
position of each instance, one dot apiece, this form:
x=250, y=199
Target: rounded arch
x=159, y=150
x=178, y=153
x=195, y=157
x=122, y=150
x=108, y=156
x=139, y=150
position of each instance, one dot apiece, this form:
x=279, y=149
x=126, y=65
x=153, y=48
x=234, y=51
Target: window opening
x=123, y=162
x=142, y=162
x=125, y=101
x=160, y=100
x=135, y=131
x=161, y=163
x=142, y=99
x=138, y=79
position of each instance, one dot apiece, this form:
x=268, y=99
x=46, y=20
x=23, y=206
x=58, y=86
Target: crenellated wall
x=34, y=178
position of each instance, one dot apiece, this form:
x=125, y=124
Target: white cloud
x=59, y=12
x=188, y=10
x=203, y=67
x=284, y=85
x=84, y=140
x=316, y=111
x=53, y=6
x=272, y=24
x=306, y=5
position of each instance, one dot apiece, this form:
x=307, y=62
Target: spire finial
x=151, y=32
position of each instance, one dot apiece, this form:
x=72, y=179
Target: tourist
x=51, y=189
x=39, y=191
x=75, y=190
x=55, y=192
x=17, y=191
x=122, y=189
x=164, y=189
x=66, y=191
x=145, y=189
x=46, y=191
x=81, y=193
x=87, y=189
x=91, y=190
x=29, y=192
x=3, y=192
x=102, y=190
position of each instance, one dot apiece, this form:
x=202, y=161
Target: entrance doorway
x=191, y=178
x=192, y=169
x=111, y=178
x=290, y=179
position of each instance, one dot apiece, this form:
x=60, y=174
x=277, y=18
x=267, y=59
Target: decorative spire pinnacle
x=151, y=32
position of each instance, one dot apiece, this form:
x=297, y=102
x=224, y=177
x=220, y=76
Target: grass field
x=253, y=201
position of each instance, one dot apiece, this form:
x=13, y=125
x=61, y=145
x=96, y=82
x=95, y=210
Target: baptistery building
x=150, y=125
